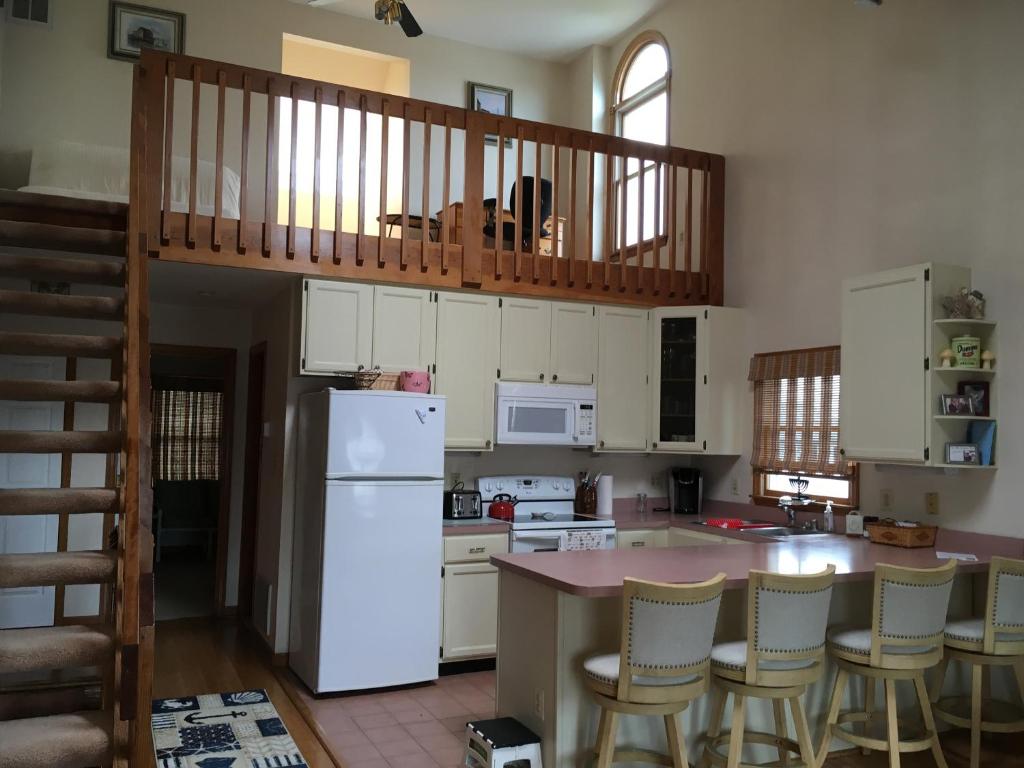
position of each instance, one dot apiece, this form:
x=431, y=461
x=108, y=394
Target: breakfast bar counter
x=557, y=608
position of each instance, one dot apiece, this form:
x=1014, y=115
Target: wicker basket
x=887, y=532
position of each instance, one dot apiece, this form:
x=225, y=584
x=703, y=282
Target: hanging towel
x=580, y=540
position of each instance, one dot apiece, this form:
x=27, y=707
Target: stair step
x=62, y=270
x=46, y=390
x=46, y=569
x=55, y=237
x=34, y=202
x=78, y=740
x=57, y=501
x=87, y=307
x=14, y=441
x=74, y=645
x=59, y=345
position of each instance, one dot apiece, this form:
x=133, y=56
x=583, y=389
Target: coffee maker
x=685, y=491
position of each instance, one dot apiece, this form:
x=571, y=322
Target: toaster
x=460, y=504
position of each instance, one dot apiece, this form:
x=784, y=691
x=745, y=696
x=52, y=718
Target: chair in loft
x=508, y=234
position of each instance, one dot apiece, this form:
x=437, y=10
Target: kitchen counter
x=479, y=526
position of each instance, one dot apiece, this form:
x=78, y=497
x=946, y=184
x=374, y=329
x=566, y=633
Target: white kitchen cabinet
x=699, y=397
x=468, y=337
x=337, y=326
x=525, y=339
x=404, y=328
x=573, y=343
x=623, y=405
x=470, y=596
x=641, y=538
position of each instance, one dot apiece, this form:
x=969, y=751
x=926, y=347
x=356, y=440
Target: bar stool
x=784, y=653
x=667, y=633
x=996, y=640
x=908, y=617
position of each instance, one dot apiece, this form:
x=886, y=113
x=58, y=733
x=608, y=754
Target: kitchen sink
x=783, y=532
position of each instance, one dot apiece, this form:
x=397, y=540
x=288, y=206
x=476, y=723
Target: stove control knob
x=499, y=486
x=487, y=487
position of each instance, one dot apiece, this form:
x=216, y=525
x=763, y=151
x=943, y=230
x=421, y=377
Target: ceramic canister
x=968, y=351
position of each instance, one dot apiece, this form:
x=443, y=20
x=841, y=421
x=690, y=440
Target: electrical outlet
x=885, y=500
x=655, y=480
x=538, y=703
x=734, y=486
x=454, y=478
x=931, y=503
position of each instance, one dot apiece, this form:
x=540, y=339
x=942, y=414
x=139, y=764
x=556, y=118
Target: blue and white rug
x=222, y=730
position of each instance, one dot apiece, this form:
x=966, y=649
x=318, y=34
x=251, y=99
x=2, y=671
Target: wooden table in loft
x=545, y=245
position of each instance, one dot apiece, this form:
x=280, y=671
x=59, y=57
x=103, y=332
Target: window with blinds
x=796, y=424
x=187, y=434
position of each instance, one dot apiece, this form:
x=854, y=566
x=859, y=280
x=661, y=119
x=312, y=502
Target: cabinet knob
x=638, y=544
x=602, y=444
x=360, y=367
x=542, y=377
x=842, y=451
x=654, y=445
x=487, y=444
x=553, y=378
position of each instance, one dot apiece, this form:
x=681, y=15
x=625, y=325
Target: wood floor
x=207, y=656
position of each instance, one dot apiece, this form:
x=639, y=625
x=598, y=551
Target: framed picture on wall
x=134, y=27
x=492, y=99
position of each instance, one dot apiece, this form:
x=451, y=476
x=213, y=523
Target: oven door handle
x=537, y=536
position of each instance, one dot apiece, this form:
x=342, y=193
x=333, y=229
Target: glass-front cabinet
x=678, y=379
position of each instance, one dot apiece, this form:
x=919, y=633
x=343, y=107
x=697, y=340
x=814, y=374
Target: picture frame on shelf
x=957, y=405
x=134, y=27
x=963, y=453
x=979, y=392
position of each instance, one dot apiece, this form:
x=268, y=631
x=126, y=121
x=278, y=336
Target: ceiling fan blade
x=408, y=23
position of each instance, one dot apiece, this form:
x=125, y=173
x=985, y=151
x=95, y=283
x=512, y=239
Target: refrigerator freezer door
x=380, y=598
x=385, y=435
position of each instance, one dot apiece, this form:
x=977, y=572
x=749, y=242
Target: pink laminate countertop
x=600, y=573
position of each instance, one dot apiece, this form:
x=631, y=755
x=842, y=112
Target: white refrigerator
x=366, y=569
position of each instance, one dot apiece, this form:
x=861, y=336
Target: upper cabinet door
x=525, y=339
x=678, y=401
x=622, y=390
x=468, y=334
x=337, y=320
x=882, y=402
x=404, y=329
x=573, y=343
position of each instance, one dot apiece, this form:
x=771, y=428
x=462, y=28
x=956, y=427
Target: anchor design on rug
x=195, y=717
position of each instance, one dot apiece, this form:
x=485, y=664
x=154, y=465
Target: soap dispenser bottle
x=830, y=518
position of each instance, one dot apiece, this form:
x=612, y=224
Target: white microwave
x=546, y=414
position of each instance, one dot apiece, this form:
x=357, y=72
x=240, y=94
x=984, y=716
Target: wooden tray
x=900, y=536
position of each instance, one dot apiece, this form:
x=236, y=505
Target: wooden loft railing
x=661, y=243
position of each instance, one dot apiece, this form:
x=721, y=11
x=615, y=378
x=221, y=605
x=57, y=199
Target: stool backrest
x=667, y=632
x=910, y=606
x=788, y=617
x=1004, y=609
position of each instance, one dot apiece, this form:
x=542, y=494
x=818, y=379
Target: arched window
x=640, y=111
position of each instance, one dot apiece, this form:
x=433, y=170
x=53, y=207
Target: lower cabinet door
x=470, y=626
x=641, y=539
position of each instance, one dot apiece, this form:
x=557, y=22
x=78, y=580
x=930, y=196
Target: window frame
x=617, y=111
x=765, y=497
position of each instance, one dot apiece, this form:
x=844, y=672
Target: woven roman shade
x=187, y=434
x=796, y=412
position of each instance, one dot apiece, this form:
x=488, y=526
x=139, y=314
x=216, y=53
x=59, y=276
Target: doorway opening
x=193, y=408
x=251, y=483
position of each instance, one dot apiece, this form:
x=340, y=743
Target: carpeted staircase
x=40, y=731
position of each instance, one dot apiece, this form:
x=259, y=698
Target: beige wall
x=859, y=139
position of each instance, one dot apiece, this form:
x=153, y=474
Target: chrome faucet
x=786, y=503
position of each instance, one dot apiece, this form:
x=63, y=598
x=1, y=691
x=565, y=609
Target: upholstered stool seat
x=994, y=640
x=787, y=616
x=664, y=664
x=905, y=639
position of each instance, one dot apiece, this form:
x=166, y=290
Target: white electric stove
x=544, y=518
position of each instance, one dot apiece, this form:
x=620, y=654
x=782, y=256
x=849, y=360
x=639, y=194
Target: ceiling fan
x=388, y=11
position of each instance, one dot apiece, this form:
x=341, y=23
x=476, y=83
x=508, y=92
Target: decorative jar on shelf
x=968, y=351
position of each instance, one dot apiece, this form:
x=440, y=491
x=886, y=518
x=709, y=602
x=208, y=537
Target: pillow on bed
x=101, y=173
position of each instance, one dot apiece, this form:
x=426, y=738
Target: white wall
x=858, y=139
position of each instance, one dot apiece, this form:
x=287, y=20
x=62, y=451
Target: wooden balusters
x=609, y=220
x=518, y=213
x=339, y=180
x=637, y=270
x=193, y=160
x=572, y=212
x=535, y=230
x=499, y=205
x=314, y=235
x=589, y=220
x=293, y=173
x=218, y=192
x=165, y=216
x=270, y=196
x=555, y=158
x=673, y=236
x=446, y=194
x=705, y=200
x=688, y=246
x=243, y=187
x=403, y=257
x=425, y=246
x=361, y=221
x=382, y=215
x=658, y=218
x=623, y=235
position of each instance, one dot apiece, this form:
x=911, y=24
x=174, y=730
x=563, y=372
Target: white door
x=380, y=596
x=622, y=389
x=882, y=403
x=337, y=321
x=470, y=625
x=573, y=343
x=29, y=606
x=404, y=328
x=468, y=335
x=525, y=339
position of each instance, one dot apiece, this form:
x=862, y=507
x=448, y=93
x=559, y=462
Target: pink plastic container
x=414, y=381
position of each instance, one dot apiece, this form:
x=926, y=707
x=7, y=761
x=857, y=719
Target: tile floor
x=419, y=727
